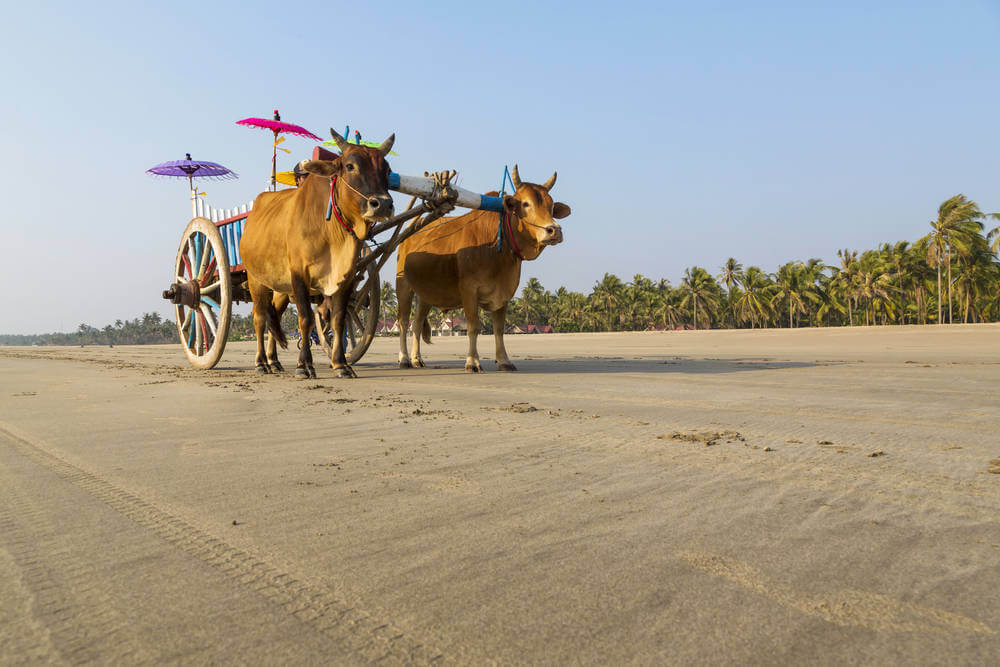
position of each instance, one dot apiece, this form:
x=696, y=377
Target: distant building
x=387, y=328
x=453, y=326
x=531, y=329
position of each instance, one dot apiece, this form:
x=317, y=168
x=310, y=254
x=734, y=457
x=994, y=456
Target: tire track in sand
x=54, y=609
x=369, y=638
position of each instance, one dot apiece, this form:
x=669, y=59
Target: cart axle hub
x=186, y=293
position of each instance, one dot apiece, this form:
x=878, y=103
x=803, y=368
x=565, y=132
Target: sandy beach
x=820, y=496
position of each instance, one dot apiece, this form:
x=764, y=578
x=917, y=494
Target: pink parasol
x=277, y=126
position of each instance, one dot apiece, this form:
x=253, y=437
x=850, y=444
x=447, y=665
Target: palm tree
x=826, y=298
x=700, y=289
x=640, y=296
x=531, y=295
x=390, y=306
x=571, y=309
x=607, y=296
x=663, y=308
x=845, y=279
x=958, y=222
x=732, y=271
x=753, y=305
x=793, y=282
x=873, y=287
x=919, y=277
x=994, y=235
x=893, y=255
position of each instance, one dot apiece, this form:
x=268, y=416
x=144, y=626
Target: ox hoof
x=405, y=364
x=473, y=368
x=312, y=371
x=418, y=363
x=302, y=373
x=262, y=369
x=276, y=366
x=506, y=366
x=346, y=372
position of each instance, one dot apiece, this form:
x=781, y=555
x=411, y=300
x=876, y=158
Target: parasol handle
x=274, y=159
x=423, y=187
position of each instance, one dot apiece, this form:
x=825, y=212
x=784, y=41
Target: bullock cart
x=209, y=276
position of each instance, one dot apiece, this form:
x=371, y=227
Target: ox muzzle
x=553, y=234
x=378, y=208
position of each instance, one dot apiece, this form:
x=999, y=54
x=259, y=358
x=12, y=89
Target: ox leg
x=324, y=310
x=419, y=324
x=499, y=324
x=304, y=369
x=404, y=299
x=280, y=302
x=261, y=296
x=470, y=304
x=338, y=313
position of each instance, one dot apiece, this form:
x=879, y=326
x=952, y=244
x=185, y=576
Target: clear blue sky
x=683, y=133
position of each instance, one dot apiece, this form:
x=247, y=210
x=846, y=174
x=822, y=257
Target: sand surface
x=811, y=496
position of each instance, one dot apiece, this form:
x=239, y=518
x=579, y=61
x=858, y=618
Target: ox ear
x=510, y=204
x=325, y=168
x=560, y=210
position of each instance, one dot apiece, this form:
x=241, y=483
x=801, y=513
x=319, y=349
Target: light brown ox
x=455, y=263
x=290, y=248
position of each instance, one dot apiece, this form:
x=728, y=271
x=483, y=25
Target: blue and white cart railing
x=209, y=275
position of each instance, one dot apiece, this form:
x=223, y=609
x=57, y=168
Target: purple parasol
x=192, y=169
x=277, y=126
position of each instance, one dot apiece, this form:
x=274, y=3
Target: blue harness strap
x=503, y=185
x=507, y=179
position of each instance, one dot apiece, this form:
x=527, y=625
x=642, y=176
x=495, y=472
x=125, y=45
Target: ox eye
x=350, y=167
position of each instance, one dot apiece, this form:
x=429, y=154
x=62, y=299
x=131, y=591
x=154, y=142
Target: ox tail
x=274, y=326
x=425, y=332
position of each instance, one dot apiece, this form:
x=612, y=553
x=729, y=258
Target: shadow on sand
x=586, y=365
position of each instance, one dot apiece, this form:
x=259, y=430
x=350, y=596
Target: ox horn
x=387, y=145
x=340, y=141
x=515, y=178
x=549, y=183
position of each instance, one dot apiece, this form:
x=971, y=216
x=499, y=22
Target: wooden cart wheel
x=363, y=310
x=201, y=276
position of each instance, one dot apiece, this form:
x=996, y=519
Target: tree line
x=149, y=329
x=951, y=274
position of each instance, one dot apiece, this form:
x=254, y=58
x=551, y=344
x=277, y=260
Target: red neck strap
x=333, y=206
x=510, y=235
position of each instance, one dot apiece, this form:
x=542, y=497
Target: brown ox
x=290, y=248
x=456, y=263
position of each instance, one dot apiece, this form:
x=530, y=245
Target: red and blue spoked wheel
x=202, y=293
